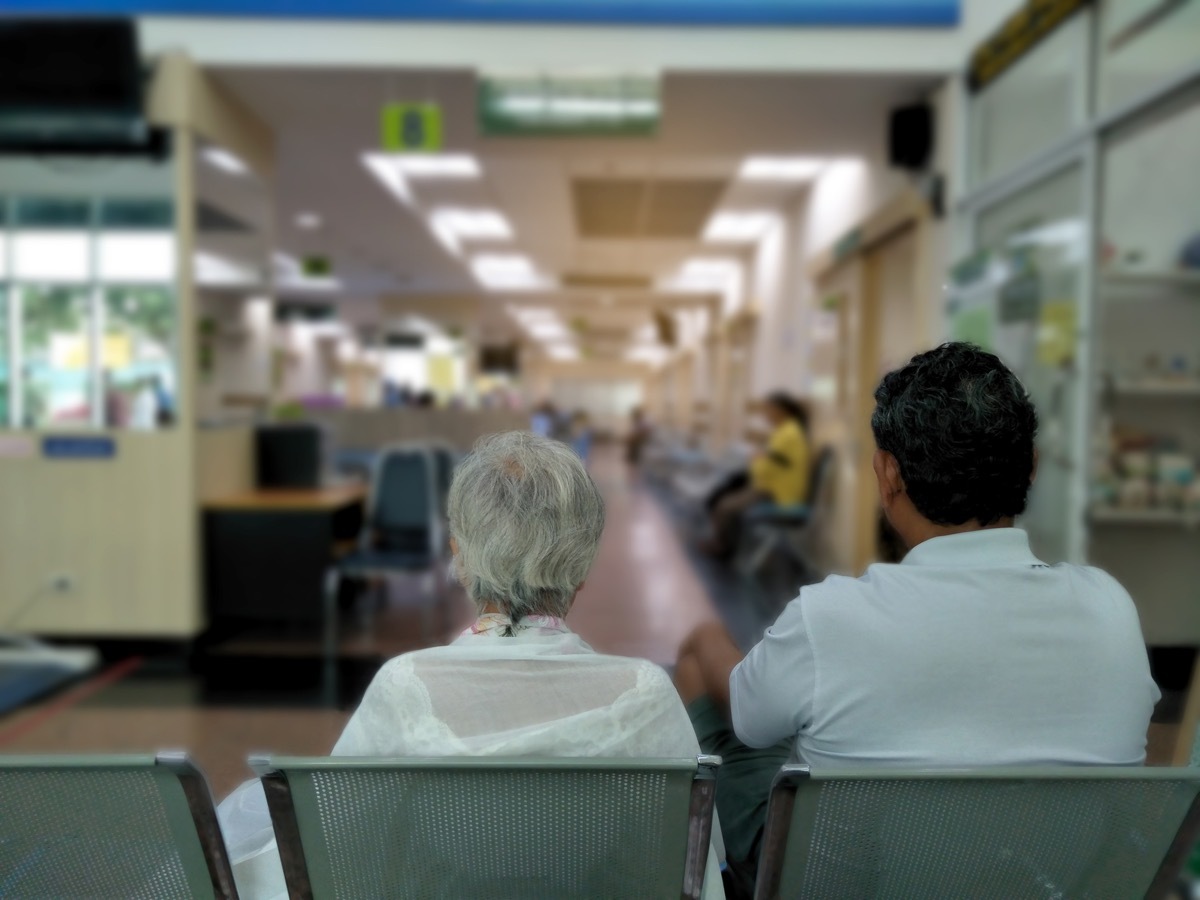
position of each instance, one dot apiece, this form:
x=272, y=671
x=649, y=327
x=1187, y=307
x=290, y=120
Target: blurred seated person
x=779, y=474
x=970, y=652
x=581, y=435
x=525, y=522
x=639, y=434
x=544, y=421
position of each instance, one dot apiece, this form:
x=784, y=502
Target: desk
x=266, y=552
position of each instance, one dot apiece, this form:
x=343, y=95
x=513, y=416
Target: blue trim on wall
x=819, y=13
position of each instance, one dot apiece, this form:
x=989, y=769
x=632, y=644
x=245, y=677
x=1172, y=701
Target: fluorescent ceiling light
x=708, y=269
x=780, y=168
x=503, y=264
x=473, y=224
x=212, y=269
x=433, y=165
x=382, y=167
x=530, y=314
x=548, y=331
x=738, y=227
x=446, y=236
x=225, y=161
x=562, y=352
x=561, y=107
x=302, y=283
x=309, y=221
x=285, y=263
x=507, y=272
x=654, y=355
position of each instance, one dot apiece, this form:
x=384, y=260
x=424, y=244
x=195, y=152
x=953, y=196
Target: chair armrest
x=773, y=514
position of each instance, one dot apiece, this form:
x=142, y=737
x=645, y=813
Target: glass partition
x=90, y=326
x=1020, y=297
x=1040, y=100
x=1141, y=44
x=56, y=387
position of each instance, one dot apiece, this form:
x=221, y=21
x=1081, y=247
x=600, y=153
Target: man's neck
x=929, y=530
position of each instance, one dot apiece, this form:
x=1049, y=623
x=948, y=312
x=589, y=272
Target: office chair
x=404, y=532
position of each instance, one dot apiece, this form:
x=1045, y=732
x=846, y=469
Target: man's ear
x=887, y=473
x=453, y=547
x=1033, y=473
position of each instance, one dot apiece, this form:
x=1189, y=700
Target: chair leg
x=329, y=686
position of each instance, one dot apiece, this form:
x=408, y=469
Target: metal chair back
x=491, y=828
x=988, y=834
x=110, y=827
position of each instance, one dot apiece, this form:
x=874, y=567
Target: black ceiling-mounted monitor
x=73, y=86
x=500, y=359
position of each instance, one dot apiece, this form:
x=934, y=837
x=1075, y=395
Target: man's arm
x=708, y=657
x=771, y=690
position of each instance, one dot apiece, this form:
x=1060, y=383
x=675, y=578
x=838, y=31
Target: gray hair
x=527, y=519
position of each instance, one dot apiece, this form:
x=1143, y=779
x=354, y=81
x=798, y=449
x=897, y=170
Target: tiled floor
x=643, y=597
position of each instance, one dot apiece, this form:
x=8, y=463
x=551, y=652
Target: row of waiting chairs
x=143, y=826
x=796, y=534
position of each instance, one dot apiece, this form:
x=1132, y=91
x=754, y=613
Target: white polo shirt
x=970, y=652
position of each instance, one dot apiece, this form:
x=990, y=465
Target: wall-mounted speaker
x=911, y=136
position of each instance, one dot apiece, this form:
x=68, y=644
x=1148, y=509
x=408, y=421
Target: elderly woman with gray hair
x=525, y=524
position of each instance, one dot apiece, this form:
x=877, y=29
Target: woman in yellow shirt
x=778, y=475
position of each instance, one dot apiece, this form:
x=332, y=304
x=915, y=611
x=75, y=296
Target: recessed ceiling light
x=225, y=161
x=380, y=165
x=529, y=314
x=548, y=331
x=738, y=227
x=434, y=165
x=285, y=263
x=446, y=236
x=473, y=224
x=653, y=354
x=780, y=168
x=309, y=221
x=214, y=269
x=507, y=272
x=562, y=352
x=708, y=269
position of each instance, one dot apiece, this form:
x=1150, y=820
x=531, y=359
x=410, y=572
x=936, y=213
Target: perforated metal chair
x=109, y=827
x=988, y=834
x=491, y=828
x=404, y=532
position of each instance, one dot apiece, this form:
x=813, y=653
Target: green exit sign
x=411, y=128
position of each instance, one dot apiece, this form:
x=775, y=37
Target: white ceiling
x=325, y=119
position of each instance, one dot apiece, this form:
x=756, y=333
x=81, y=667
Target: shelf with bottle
x=1184, y=279
x=1184, y=386
x=1103, y=514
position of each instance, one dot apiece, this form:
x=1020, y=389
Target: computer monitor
x=290, y=456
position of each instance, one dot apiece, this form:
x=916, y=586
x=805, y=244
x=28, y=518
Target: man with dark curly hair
x=970, y=652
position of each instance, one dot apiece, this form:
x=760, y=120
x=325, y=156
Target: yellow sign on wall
x=411, y=128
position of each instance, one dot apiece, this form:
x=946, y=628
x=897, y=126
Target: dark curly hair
x=962, y=428
x=791, y=407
